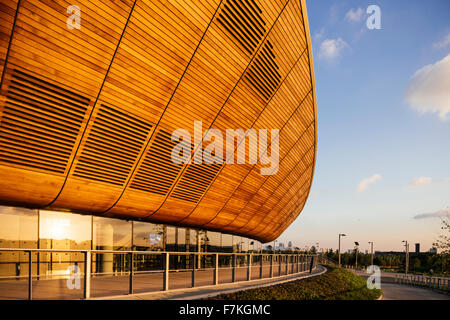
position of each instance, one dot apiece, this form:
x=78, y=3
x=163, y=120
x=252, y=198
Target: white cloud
x=421, y=181
x=429, y=89
x=365, y=182
x=331, y=49
x=443, y=43
x=354, y=15
x=437, y=214
x=319, y=35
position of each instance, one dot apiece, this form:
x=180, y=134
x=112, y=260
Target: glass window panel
x=181, y=239
x=244, y=244
x=62, y=230
x=148, y=236
x=227, y=243
x=18, y=229
x=192, y=240
x=214, y=241
x=170, y=239
x=202, y=240
x=112, y=234
x=237, y=241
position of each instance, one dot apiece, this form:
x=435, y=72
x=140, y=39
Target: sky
x=383, y=99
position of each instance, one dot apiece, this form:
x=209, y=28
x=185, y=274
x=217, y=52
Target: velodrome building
x=91, y=92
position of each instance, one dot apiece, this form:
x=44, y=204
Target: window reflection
x=18, y=229
x=58, y=230
x=111, y=234
x=148, y=236
x=227, y=243
x=214, y=241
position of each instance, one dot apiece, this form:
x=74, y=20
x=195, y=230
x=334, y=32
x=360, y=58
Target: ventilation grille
x=195, y=181
x=157, y=172
x=263, y=73
x=111, y=149
x=242, y=19
x=40, y=123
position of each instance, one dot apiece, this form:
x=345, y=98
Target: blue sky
x=383, y=99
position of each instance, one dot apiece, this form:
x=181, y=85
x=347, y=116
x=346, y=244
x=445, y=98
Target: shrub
x=336, y=284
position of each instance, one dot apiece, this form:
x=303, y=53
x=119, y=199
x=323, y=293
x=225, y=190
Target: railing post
x=130, y=286
x=298, y=263
x=216, y=269
x=261, y=267
x=30, y=275
x=287, y=264
x=166, y=271
x=249, y=267
x=233, y=267
x=279, y=265
x=87, y=274
x=271, y=266
x=193, y=270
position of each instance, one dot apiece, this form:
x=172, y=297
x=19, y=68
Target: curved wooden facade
x=86, y=114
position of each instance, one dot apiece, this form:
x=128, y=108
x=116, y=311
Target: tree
x=443, y=241
x=416, y=263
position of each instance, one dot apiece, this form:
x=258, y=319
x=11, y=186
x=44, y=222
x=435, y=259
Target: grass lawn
x=336, y=284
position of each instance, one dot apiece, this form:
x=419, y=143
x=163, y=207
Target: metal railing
x=423, y=281
x=195, y=262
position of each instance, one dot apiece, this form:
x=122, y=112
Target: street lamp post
x=356, y=254
x=407, y=255
x=371, y=251
x=339, y=248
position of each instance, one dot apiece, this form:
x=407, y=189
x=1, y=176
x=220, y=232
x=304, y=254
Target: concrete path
x=394, y=291
x=210, y=291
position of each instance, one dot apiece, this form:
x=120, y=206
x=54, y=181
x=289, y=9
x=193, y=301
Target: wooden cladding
x=194, y=182
x=40, y=123
x=112, y=146
x=263, y=73
x=157, y=172
x=243, y=20
x=87, y=114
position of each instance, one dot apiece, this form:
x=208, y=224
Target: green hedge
x=336, y=284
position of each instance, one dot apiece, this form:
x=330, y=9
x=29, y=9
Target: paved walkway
x=394, y=291
x=209, y=291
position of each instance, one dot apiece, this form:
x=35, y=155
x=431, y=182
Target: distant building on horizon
x=417, y=247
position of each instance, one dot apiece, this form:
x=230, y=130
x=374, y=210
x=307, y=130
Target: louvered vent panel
x=40, y=123
x=113, y=144
x=157, y=172
x=195, y=181
x=243, y=20
x=263, y=73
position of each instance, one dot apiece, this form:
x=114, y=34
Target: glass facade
x=42, y=229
